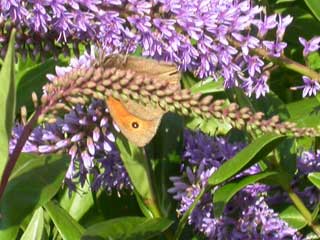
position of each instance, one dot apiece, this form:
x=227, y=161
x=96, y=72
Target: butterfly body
x=138, y=122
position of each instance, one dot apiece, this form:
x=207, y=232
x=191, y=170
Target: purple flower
x=266, y=24
x=282, y=25
x=309, y=162
x=275, y=48
x=310, y=87
x=84, y=134
x=246, y=216
x=310, y=46
x=197, y=35
x=254, y=65
x=259, y=221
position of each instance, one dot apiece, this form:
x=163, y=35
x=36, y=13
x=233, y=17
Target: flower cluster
x=205, y=37
x=246, y=216
x=85, y=134
x=310, y=86
x=308, y=162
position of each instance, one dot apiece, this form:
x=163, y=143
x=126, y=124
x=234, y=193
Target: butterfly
x=138, y=122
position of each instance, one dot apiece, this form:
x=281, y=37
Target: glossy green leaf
x=208, y=86
x=305, y=113
x=35, y=229
x=283, y=1
x=293, y=217
x=127, y=228
x=305, y=24
x=7, y=101
x=79, y=202
x=315, y=211
x=313, y=60
x=165, y=154
x=209, y=126
x=286, y=155
x=31, y=80
x=238, y=96
x=314, y=6
x=311, y=235
x=224, y=194
x=31, y=185
x=188, y=80
x=68, y=228
x=254, y=152
x=315, y=178
x=136, y=165
x=143, y=207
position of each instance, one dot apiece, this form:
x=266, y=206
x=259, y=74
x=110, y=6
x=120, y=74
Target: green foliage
x=31, y=78
x=33, y=183
x=129, y=228
x=34, y=206
x=314, y=7
x=7, y=101
x=68, y=228
x=78, y=203
x=251, y=154
x=223, y=195
x=136, y=164
x=293, y=217
x=35, y=229
x=315, y=179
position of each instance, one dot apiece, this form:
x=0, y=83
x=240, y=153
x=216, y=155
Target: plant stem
x=17, y=150
x=304, y=211
x=185, y=216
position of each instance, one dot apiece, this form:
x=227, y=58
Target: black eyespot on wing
x=135, y=125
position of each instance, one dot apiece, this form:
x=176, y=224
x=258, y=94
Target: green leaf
x=315, y=178
x=237, y=95
x=314, y=6
x=79, y=203
x=293, y=217
x=7, y=101
x=35, y=229
x=31, y=80
x=209, y=126
x=127, y=228
x=136, y=165
x=286, y=155
x=188, y=80
x=165, y=154
x=251, y=154
x=305, y=113
x=208, y=86
x=315, y=211
x=68, y=228
x=283, y=1
x=313, y=60
x=31, y=185
x=224, y=194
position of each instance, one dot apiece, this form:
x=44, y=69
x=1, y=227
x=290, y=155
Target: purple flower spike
x=246, y=216
x=209, y=38
x=85, y=134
